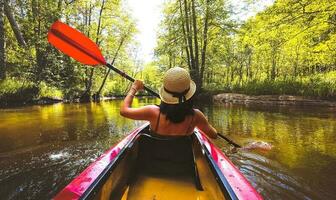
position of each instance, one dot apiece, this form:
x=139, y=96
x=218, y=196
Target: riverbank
x=29, y=102
x=271, y=100
x=49, y=100
x=234, y=98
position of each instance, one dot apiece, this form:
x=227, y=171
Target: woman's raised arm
x=142, y=113
x=203, y=124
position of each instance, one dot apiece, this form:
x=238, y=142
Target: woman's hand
x=142, y=113
x=138, y=85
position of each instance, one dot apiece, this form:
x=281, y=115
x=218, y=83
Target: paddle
x=76, y=45
x=81, y=48
x=229, y=140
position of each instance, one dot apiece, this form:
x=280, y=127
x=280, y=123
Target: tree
x=97, y=95
x=87, y=94
x=187, y=26
x=14, y=25
x=2, y=42
x=43, y=67
x=288, y=44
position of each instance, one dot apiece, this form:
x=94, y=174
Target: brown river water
x=42, y=148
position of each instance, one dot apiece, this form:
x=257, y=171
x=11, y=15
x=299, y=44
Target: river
x=42, y=148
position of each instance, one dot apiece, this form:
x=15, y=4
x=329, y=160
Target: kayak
x=146, y=166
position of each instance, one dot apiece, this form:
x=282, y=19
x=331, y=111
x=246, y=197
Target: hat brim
x=169, y=99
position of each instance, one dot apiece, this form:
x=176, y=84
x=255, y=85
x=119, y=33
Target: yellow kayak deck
x=148, y=187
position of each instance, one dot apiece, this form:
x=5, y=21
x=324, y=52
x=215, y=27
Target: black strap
x=157, y=123
x=179, y=95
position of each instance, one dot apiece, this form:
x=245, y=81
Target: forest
x=288, y=48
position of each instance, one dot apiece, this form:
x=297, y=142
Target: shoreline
x=222, y=98
x=271, y=100
x=50, y=101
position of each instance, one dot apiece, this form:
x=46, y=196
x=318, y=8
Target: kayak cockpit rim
x=220, y=178
x=92, y=190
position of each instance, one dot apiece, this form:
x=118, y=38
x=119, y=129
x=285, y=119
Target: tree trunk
x=196, y=62
x=273, y=70
x=185, y=36
x=97, y=41
x=2, y=42
x=296, y=64
x=87, y=25
x=275, y=45
x=232, y=73
x=14, y=25
x=248, y=65
x=86, y=96
x=240, y=73
x=37, y=32
x=205, y=43
x=248, y=69
x=170, y=59
x=59, y=5
x=188, y=32
x=97, y=95
x=227, y=71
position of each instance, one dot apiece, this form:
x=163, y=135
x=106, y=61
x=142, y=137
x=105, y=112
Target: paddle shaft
x=123, y=74
x=229, y=140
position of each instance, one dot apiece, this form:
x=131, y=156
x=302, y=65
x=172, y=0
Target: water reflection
x=38, y=125
x=305, y=148
x=43, y=147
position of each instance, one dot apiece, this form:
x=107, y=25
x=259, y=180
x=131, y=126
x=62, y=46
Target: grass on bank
x=14, y=91
x=320, y=85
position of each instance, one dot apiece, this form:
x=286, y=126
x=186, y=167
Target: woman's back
x=161, y=125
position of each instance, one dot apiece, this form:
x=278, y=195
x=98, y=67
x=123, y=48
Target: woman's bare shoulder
x=153, y=109
x=198, y=113
x=199, y=116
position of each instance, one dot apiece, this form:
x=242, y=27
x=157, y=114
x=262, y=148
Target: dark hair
x=176, y=113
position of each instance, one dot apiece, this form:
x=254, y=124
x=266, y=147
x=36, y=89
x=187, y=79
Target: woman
x=175, y=115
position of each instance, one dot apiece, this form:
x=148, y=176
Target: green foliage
x=53, y=73
x=50, y=91
x=319, y=85
x=17, y=91
x=116, y=87
x=189, y=33
x=289, y=48
x=152, y=76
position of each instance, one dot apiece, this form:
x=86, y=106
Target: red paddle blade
x=75, y=44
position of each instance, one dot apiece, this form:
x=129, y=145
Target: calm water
x=42, y=148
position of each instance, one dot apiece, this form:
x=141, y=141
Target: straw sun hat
x=177, y=86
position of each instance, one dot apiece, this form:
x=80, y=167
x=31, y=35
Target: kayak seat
x=166, y=156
